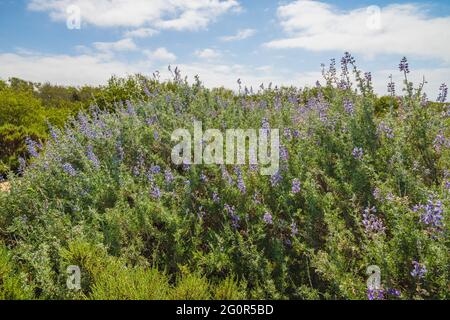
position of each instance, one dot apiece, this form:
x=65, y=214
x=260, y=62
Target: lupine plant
x=357, y=186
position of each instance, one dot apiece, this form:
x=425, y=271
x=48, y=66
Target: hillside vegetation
x=362, y=181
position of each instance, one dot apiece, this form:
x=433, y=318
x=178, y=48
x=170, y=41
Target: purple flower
x=375, y=294
x=203, y=177
x=92, y=157
x=391, y=87
x=32, y=147
x=275, y=179
x=85, y=127
x=404, y=65
x=130, y=108
x=358, y=153
x=419, y=270
x=386, y=130
x=22, y=165
x=186, y=166
x=296, y=186
x=155, y=169
x=348, y=58
x=234, y=217
x=150, y=121
x=431, y=214
x=287, y=134
x=147, y=92
x=226, y=176
x=168, y=176
x=53, y=133
x=284, y=153
x=156, y=135
x=216, y=197
x=377, y=194
x=440, y=141
x=241, y=184
x=393, y=292
x=372, y=224
x=265, y=124
x=443, y=91
x=155, y=192
x=348, y=106
x=267, y=218
x=68, y=168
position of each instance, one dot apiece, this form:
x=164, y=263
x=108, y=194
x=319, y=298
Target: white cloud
x=240, y=35
x=161, y=54
x=207, y=54
x=164, y=14
x=121, y=45
x=63, y=69
x=96, y=69
x=141, y=33
x=403, y=29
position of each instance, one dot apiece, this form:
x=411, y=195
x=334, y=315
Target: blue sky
x=223, y=40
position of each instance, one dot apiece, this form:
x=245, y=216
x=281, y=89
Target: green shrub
x=12, y=282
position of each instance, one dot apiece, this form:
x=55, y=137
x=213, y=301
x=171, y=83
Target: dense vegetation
x=363, y=181
x=27, y=109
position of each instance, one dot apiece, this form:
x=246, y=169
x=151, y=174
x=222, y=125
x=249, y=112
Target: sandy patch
x=4, y=187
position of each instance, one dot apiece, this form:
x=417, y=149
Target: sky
x=77, y=42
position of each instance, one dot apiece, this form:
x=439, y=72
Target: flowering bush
x=356, y=187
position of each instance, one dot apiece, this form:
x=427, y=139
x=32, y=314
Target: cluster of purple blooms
x=240, y=180
x=419, y=270
x=32, y=147
x=348, y=106
x=391, y=87
x=384, y=128
x=287, y=134
x=380, y=294
x=431, y=214
x=268, y=218
x=234, y=217
x=440, y=141
x=443, y=92
x=265, y=124
x=372, y=224
x=92, y=157
x=69, y=169
x=168, y=176
x=377, y=194
x=296, y=186
x=215, y=197
x=404, y=65
x=284, y=153
x=155, y=192
x=358, y=153
x=375, y=294
x=275, y=179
